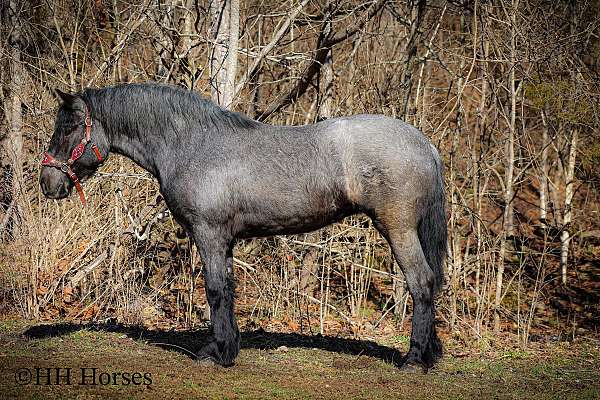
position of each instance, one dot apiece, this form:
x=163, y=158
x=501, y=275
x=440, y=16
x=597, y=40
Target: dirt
x=134, y=363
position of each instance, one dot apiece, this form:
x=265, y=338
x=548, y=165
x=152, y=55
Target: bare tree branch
x=323, y=45
x=267, y=49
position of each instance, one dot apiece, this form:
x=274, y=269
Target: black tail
x=433, y=233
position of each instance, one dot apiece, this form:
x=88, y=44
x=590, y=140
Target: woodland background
x=507, y=89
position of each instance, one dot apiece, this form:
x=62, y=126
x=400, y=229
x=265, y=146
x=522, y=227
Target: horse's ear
x=67, y=98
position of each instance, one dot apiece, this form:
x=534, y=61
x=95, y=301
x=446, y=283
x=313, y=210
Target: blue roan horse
x=225, y=176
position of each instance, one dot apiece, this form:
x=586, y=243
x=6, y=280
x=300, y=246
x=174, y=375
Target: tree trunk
x=565, y=235
x=326, y=85
x=224, y=31
x=455, y=214
x=326, y=73
x=417, y=14
x=162, y=60
x=13, y=142
x=477, y=159
x=508, y=215
x=569, y=174
x=544, y=172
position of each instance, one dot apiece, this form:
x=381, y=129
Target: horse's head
x=76, y=149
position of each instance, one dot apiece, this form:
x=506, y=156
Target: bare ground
x=272, y=365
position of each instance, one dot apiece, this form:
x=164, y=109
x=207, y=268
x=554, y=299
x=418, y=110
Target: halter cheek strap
x=76, y=153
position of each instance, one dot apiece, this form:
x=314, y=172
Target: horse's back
x=377, y=133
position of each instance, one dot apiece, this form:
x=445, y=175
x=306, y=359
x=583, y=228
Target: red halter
x=76, y=153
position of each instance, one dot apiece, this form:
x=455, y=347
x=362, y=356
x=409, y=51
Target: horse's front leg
x=216, y=251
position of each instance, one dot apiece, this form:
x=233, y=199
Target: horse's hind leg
x=425, y=348
x=215, y=250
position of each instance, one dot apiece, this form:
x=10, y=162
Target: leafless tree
x=224, y=31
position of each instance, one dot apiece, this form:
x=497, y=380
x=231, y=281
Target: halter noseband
x=76, y=153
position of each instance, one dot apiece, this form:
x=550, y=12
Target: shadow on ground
x=191, y=341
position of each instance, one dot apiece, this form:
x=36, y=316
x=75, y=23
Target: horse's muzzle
x=54, y=184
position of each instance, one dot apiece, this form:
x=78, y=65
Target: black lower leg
x=425, y=347
x=220, y=288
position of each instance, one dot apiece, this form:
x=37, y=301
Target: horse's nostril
x=64, y=188
x=44, y=188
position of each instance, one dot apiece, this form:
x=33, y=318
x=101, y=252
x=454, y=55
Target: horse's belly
x=293, y=219
x=287, y=227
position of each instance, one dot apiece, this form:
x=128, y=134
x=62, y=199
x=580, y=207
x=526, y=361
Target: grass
x=563, y=371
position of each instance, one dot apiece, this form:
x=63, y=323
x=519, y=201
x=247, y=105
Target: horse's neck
x=130, y=138
x=133, y=146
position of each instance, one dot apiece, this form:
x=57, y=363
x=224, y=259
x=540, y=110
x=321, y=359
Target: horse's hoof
x=206, y=361
x=212, y=353
x=410, y=367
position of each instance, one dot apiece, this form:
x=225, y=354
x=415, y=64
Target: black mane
x=165, y=107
